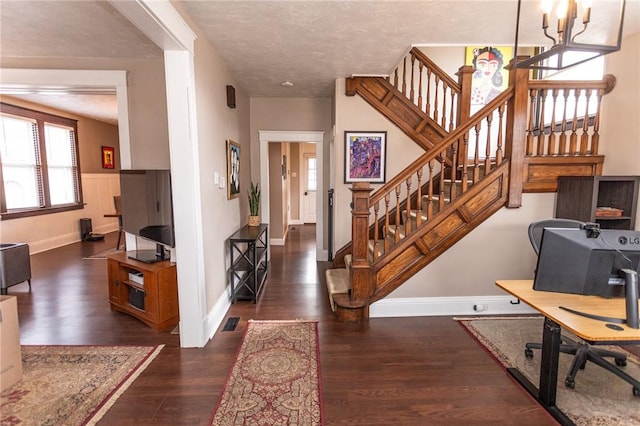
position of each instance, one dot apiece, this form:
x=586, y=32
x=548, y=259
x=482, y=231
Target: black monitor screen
x=147, y=209
x=571, y=262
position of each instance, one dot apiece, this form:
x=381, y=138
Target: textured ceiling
x=310, y=43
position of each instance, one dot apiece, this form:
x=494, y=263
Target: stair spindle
x=397, y=221
x=487, y=148
x=499, y=151
x=476, y=154
x=419, y=199
x=595, y=139
x=387, y=201
x=407, y=218
x=541, y=131
x=376, y=227
x=420, y=66
x=562, y=149
x=551, y=149
x=413, y=60
x=404, y=76
x=573, y=141
x=533, y=97
x=430, y=191
x=584, y=140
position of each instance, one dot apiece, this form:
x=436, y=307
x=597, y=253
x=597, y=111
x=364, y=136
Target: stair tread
x=337, y=282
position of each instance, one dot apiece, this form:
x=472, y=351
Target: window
x=574, y=103
x=39, y=163
x=311, y=174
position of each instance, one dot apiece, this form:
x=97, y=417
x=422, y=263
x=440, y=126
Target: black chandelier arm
x=584, y=28
x=550, y=37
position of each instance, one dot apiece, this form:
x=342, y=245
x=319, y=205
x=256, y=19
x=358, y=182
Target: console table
x=248, y=248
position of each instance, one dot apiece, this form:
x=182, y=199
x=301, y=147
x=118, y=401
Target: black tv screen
x=570, y=261
x=147, y=209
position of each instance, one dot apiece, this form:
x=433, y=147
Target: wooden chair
x=117, y=204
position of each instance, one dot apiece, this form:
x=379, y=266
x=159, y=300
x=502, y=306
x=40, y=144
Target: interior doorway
x=311, y=137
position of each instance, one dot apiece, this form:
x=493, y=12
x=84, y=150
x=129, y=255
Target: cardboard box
x=10, y=352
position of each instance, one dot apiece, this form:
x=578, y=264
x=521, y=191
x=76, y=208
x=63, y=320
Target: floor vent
x=231, y=324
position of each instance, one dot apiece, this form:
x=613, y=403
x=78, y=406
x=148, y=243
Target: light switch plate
x=223, y=182
x=216, y=178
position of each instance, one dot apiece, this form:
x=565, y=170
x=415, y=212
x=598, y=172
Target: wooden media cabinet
x=146, y=291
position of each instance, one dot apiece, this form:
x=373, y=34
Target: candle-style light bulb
x=586, y=11
x=562, y=10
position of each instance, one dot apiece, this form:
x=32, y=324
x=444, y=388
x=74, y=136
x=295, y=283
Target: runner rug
x=599, y=397
x=71, y=385
x=275, y=379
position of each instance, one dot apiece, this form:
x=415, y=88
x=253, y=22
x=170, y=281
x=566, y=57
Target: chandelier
x=573, y=31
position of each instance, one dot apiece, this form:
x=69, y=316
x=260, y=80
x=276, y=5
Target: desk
x=592, y=331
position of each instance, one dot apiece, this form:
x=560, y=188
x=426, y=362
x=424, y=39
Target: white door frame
x=315, y=137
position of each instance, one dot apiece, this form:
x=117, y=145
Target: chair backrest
x=536, y=228
x=117, y=204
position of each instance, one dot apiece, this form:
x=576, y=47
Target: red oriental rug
x=72, y=385
x=275, y=379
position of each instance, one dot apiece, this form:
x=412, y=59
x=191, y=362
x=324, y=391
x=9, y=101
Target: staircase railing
x=431, y=89
x=531, y=121
x=480, y=141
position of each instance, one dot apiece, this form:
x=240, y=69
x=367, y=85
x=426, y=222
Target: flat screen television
x=589, y=262
x=147, y=210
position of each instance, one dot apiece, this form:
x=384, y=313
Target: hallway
x=390, y=371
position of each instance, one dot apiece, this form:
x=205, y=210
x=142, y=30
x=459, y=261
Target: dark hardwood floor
x=398, y=371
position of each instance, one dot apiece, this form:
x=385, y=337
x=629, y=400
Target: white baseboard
x=296, y=222
x=217, y=314
x=446, y=306
x=276, y=241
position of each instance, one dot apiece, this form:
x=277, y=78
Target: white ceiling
x=310, y=43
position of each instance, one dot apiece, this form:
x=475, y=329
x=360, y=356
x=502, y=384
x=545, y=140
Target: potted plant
x=254, y=204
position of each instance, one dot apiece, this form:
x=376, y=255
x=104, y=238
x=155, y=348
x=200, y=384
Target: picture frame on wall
x=365, y=156
x=108, y=160
x=233, y=169
x=490, y=78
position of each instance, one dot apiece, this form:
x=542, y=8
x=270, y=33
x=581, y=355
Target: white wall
x=46, y=232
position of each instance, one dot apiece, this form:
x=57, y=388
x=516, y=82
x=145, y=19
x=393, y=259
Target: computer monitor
x=586, y=261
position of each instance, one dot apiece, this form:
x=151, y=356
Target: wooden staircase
x=469, y=171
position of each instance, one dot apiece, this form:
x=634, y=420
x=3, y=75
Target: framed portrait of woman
x=233, y=169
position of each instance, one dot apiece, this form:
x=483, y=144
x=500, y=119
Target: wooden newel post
x=360, y=273
x=516, y=131
x=465, y=77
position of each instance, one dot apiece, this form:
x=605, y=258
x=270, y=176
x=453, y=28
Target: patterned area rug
x=275, y=379
x=599, y=397
x=71, y=385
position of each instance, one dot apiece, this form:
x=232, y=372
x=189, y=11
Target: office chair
x=117, y=204
x=583, y=352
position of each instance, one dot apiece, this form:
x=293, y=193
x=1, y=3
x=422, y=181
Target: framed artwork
x=365, y=156
x=108, y=160
x=233, y=169
x=489, y=76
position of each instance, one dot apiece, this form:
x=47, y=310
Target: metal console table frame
x=249, y=250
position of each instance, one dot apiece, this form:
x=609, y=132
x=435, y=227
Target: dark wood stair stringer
x=392, y=104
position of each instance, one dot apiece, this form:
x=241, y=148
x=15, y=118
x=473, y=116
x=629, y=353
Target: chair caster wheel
x=528, y=353
x=621, y=362
x=636, y=391
x=570, y=383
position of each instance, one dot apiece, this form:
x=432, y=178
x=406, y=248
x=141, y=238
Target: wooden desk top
x=548, y=303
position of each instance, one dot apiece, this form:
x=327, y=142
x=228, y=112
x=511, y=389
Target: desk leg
x=546, y=392
x=549, y=363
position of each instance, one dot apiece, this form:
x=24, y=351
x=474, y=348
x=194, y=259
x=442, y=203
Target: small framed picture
x=233, y=169
x=365, y=156
x=108, y=160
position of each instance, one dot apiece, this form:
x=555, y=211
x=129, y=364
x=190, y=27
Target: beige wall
x=294, y=178
x=291, y=114
x=99, y=185
x=276, y=193
x=146, y=100
x=217, y=123
x=92, y=135
x=620, y=122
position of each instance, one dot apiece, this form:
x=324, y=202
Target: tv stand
x=146, y=291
